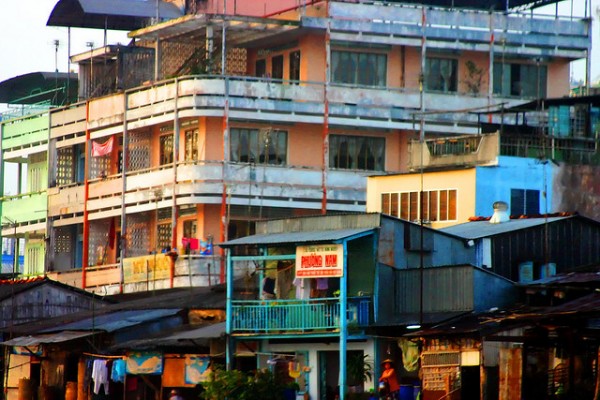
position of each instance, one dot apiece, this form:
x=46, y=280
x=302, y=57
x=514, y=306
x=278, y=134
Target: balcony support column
x=174, y=214
x=124, y=164
x=325, y=149
x=343, y=322
x=229, y=311
x=86, y=194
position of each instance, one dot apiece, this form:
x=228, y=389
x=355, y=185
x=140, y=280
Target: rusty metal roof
x=481, y=229
x=240, y=31
x=34, y=340
x=125, y=15
x=188, y=336
x=298, y=237
x=114, y=321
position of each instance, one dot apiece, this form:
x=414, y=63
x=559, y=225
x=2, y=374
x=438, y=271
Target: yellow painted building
x=444, y=197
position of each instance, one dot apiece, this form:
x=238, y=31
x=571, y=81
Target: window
x=437, y=205
x=277, y=67
x=524, y=202
x=356, y=152
x=441, y=74
x=295, y=66
x=191, y=145
x=264, y=146
x=521, y=80
x=261, y=68
x=359, y=68
x=189, y=228
x=163, y=232
x=166, y=149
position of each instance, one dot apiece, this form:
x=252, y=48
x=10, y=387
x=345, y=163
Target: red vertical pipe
x=86, y=194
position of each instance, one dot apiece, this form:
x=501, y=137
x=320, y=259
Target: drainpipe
x=174, y=216
x=124, y=164
x=325, y=165
x=343, y=322
x=86, y=194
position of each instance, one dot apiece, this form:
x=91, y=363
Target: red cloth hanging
x=102, y=149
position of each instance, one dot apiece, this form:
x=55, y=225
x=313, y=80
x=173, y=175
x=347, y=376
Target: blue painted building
x=313, y=293
x=526, y=184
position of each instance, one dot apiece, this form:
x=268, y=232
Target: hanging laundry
x=100, y=376
x=118, y=371
x=102, y=149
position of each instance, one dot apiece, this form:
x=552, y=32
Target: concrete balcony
x=457, y=30
x=456, y=151
x=27, y=210
x=254, y=99
x=204, y=182
x=24, y=136
x=145, y=273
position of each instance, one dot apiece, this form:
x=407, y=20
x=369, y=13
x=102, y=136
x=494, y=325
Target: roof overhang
x=338, y=235
x=124, y=15
x=39, y=87
x=240, y=30
x=46, y=338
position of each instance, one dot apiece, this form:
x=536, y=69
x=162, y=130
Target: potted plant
x=290, y=390
x=360, y=370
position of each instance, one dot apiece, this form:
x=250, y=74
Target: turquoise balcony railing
x=296, y=316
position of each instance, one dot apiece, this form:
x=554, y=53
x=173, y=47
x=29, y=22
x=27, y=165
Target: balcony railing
x=297, y=316
x=459, y=150
x=571, y=150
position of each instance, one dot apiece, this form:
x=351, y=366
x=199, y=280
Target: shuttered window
x=437, y=205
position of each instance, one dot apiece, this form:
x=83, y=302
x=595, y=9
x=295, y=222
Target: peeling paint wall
x=577, y=188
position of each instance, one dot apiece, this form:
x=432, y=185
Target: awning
x=190, y=337
x=125, y=15
x=39, y=87
x=299, y=237
x=58, y=337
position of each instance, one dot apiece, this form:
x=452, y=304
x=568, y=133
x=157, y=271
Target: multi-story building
x=212, y=121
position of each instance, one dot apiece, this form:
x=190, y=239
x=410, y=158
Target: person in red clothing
x=389, y=377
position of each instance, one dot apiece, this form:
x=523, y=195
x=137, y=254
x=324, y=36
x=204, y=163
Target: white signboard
x=320, y=261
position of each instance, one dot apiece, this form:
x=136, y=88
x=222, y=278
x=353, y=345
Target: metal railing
x=311, y=315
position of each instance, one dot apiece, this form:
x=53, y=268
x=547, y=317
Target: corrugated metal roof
x=114, y=321
x=34, y=340
x=189, y=337
x=571, y=278
x=110, y=14
x=297, y=237
x=481, y=229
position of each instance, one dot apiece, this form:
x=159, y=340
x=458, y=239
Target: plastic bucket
x=406, y=392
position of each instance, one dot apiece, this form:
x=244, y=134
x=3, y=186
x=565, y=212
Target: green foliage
x=236, y=385
x=359, y=368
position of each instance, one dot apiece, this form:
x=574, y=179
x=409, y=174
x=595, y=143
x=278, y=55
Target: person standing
x=175, y=395
x=389, y=377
